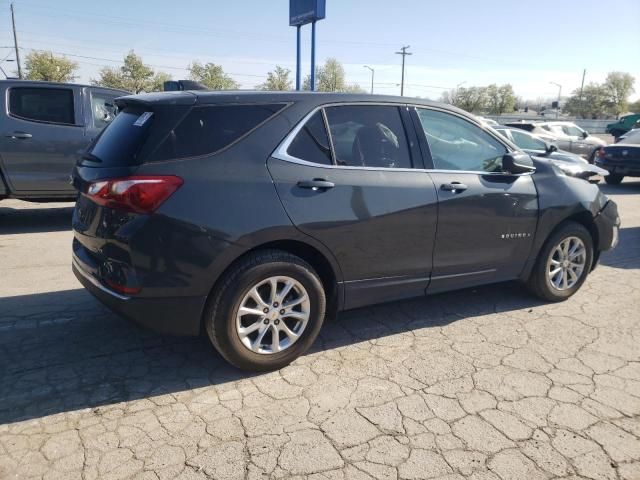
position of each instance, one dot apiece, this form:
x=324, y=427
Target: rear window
x=209, y=129
x=118, y=144
x=51, y=105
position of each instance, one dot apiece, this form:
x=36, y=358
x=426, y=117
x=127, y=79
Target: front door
x=357, y=193
x=486, y=218
x=42, y=136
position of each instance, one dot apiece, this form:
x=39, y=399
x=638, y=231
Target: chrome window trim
x=281, y=153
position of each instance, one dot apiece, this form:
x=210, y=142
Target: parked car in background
x=252, y=215
x=624, y=124
x=44, y=127
x=621, y=159
x=566, y=135
x=487, y=121
x=622, y=137
x=570, y=163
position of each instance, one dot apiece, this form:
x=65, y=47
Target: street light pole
x=404, y=53
x=559, y=95
x=373, y=72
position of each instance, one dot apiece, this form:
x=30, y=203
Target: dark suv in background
x=255, y=215
x=44, y=128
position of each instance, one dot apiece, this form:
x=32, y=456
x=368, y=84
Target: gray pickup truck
x=44, y=126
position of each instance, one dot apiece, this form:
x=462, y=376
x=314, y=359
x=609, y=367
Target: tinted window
x=103, y=109
x=312, y=142
x=206, y=130
x=53, y=105
x=527, y=142
x=368, y=136
x=120, y=142
x=457, y=144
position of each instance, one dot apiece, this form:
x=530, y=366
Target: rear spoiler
x=181, y=85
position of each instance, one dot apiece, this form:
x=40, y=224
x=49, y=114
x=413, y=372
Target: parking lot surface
x=485, y=383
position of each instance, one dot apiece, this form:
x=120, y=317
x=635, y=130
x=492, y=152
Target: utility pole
x=584, y=72
x=404, y=53
x=15, y=42
x=373, y=72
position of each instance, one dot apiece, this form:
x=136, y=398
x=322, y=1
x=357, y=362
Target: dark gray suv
x=253, y=216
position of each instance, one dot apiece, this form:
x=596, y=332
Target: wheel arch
x=329, y=273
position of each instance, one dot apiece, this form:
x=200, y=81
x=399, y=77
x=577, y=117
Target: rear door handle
x=19, y=135
x=316, y=184
x=454, y=187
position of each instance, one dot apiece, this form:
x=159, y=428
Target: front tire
x=267, y=311
x=613, y=179
x=563, y=263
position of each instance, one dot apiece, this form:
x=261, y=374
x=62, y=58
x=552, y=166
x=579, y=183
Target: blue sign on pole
x=302, y=12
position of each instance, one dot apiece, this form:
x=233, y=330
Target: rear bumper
x=167, y=315
x=620, y=168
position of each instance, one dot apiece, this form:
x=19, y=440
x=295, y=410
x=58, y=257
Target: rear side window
x=208, y=129
x=312, y=142
x=118, y=144
x=368, y=136
x=51, y=105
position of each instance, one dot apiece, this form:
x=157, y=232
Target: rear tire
x=277, y=333
x=613, y=179
x=572, y=263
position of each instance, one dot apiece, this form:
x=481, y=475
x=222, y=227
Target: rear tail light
x=139, y=194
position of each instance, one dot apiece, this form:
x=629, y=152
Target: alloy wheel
x=273, y=314
x=566, y=263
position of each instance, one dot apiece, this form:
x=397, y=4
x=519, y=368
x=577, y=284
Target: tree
x=133, y=76
x=500, y=99
x=212, y=76
x=619, y=85
x=595, y=102
x=471, y=99
x=45, y=66
x=635, y=107
x=278, y=79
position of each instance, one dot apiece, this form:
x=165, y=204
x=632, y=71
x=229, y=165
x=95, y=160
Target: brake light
x=125, y=290
x=139, y=194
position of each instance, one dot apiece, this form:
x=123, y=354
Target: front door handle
x=316, y=184
x=454, y=187
x=19, y=135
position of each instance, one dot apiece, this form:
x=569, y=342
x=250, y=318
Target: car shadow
x=627, y=254
x=35, y=219
x=625, y=188
x=63, y=351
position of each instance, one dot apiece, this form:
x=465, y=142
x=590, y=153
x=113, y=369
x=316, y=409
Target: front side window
x=457, y=144
x=572, y=131
x=103, y=109
x=527, y=142
x=208, y=129
x=312, y=142
x=368, y=136
x=51, y=105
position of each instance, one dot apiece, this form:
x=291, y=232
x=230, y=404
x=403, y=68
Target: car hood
x=572, y=168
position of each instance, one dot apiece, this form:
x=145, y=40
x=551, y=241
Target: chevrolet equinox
x=253, y=216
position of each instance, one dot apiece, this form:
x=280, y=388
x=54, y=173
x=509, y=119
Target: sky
x=454, y=42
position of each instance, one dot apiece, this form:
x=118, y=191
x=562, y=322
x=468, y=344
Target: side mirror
x=585, y=134
x=551, y=147
x=515, y=163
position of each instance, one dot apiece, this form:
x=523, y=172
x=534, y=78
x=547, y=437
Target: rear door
x=42, y=134
x=357, y=192
x=486, y=218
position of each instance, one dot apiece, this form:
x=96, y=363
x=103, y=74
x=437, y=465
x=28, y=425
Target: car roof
x=39, y=83
x=204, y=97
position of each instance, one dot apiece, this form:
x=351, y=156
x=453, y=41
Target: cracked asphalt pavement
x=487, y=383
